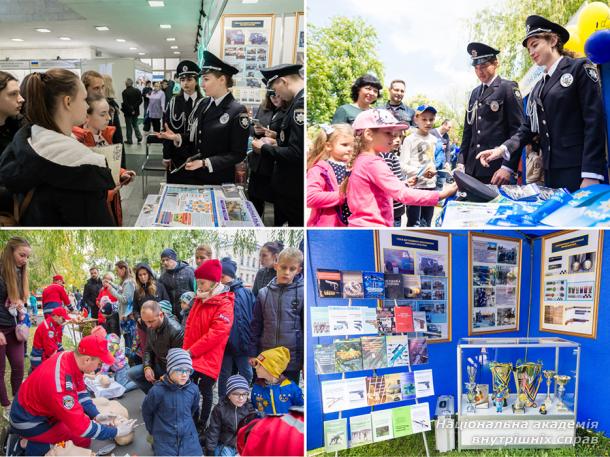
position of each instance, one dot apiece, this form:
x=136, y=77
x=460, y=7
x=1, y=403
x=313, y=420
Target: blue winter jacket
x=240, y=335
x=168, y=411
x=277, y=398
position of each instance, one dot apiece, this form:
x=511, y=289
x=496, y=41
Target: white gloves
x=125, y=428
x=105, y=418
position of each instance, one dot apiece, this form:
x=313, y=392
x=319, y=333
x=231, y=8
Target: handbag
x=22, y=331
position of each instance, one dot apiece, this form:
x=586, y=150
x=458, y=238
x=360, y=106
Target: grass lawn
x=413, y=446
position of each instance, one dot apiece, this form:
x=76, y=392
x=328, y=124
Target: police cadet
x=178, y=117
x=495, y=112
x=53, y=404
x=564, y=108
x=48, y=337
x=219, y=131
x=288, y=174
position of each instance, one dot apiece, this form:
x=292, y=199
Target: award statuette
x=531, y=384
x=561, y=381
x=548, y=374
x=501, y=379
x=471, y=385
x=519, y=375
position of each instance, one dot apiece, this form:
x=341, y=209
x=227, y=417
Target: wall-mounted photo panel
x=569, y=282
x=494, y=265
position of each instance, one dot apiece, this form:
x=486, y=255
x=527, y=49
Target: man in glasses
x=494, y=114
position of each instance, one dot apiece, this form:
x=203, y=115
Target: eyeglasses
x=183, y=371
x=239, y=394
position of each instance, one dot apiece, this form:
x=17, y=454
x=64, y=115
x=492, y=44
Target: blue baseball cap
x=422, y=108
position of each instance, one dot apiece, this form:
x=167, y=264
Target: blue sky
x=423, y=42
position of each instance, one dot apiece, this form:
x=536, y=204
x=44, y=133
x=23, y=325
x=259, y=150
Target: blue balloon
x=597, y=47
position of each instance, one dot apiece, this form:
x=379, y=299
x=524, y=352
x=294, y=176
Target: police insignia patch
x=299, y=116
x=282, y=136
x=244, y=120
x=517, y=93
x=566, y=80
x=224, y=118
x=592, y=72
x=494, y=105
x=68, y=402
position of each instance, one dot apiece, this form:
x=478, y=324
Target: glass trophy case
x=517, y=392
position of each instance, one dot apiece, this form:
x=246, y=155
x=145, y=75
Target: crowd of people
x=176, y=336
x=562, y=126
x=50, y=122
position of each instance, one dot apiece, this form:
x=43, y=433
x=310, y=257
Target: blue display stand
x=354, y=250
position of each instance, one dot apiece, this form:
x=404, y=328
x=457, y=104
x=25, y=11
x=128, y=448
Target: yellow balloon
x=594, y=16
x=575, y=44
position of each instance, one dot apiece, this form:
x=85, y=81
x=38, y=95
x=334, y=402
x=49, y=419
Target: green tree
x=336, y=56
x=71, y=252
x=503, y=27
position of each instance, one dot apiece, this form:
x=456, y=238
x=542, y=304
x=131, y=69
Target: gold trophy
x=561, y=381
x=548, y=374
x=501, y=378
x=471, y=386
x=531, y=384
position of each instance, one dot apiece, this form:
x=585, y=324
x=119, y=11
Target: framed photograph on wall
x=299, y=39
x=247, y=44
x=422, y=261
x=494, y=283
x=569, y=282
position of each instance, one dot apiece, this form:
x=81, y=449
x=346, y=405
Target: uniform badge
x=51, y=334
x=244, y=121
x=299, y=116
x=566, y=80
x=224, y=118
x=473, y=53
x=592, y=72
x=282, y=136
x=495, y=106
x=185, y=68
x=68, y=402
x=517, y=93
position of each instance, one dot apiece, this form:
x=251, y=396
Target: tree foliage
x=503, y=27
x=336, y=56
x=71, y=252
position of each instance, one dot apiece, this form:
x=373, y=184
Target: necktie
x=483, y=89
x=544, y=80
x=189, y=107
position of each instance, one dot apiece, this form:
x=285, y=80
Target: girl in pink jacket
x=372, y=186
x=326, y=170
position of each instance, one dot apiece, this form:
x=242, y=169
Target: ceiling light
x=133, y=49
x=16, y=39
x=141, y=53
x=65, y=38
x=165, y=26
x=173, y=47
x=156, y=3
x=120, y=40
x=170, y=39
x=102, y=28
x=176, y=52
x=249, y=1
x=43, y=30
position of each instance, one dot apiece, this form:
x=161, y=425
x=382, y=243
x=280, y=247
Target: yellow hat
x=274, y=360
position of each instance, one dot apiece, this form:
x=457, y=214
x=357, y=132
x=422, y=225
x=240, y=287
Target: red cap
x=58, y=278
x=210, y=270
x=94, y=346
x=61, y=312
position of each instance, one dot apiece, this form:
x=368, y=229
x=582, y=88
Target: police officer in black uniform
x=565, y=109
x=177, y=118
x=218, y=129
x=495, y=112
x=288, y=174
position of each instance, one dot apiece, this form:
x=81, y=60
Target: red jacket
x=103, y=293
x=47, y=338
x=207, y=331
x=323, y=196
x=273, y=436
x=55, y=293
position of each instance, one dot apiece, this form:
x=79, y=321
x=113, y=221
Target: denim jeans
x=136, y=374
x=224, y=451
x=226, y=370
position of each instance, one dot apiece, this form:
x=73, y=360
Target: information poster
x=494, y=265
x=247, y=44
x=422, y=259
x=569, y=282
x=299, y=39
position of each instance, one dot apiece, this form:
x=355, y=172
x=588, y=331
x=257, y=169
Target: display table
x=179, y=205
